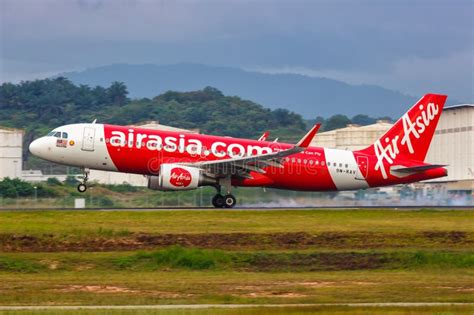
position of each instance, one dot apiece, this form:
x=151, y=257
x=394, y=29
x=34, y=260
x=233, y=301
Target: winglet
x=306, y=140
x=264, y=136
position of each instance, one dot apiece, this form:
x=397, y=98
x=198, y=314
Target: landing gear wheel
x=218, y=201
x=81, y=188
x=229, y=201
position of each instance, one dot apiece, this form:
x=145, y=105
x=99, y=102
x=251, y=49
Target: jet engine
x=179, y=177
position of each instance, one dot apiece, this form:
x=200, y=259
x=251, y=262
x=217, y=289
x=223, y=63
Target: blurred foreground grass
x=243, y=257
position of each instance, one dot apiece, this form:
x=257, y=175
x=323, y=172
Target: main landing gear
x=224, y=201
x=82, y=187
x=227, y=201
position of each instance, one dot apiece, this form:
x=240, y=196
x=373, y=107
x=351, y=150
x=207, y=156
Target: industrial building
x=11, y=152
x=453, y=145
x=352, y=137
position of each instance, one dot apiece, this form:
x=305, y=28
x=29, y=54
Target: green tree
x=363, y=120
x=117, y=93
x=336, y=122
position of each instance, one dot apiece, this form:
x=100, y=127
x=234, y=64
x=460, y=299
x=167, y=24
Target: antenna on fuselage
x=95, y=120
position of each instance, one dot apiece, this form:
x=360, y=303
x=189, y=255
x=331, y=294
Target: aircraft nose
x=36, y=147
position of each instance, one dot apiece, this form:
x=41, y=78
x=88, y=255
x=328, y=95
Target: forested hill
x=38, y=106
x=308, y=96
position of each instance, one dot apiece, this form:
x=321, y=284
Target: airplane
x=175, y=161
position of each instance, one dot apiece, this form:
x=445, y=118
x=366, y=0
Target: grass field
x=242, y=257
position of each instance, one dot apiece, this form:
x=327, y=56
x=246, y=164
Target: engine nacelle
x=179, y=177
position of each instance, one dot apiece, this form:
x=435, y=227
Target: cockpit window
x=57, y=134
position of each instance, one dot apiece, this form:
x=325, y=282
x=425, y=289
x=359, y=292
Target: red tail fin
x=410, y=137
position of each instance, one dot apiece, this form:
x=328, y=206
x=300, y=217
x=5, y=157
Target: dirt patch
x=465, y=290
x=97, y=289
x=264, y=291
x=455, y=288
x=82, y=267
x=267, y=294
x=51, y=264
x=316, y=284
x=318, y=261
x=109, y=289
x=237, y=241
x=446, y=236
x=325, y=284
x=285, y=288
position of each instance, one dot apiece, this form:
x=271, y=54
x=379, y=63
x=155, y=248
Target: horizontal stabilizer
x=415, y=169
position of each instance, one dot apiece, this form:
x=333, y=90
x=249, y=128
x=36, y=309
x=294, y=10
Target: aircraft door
x=363, y=164
x=88, y=139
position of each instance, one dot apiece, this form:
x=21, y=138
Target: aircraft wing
x=241, y=166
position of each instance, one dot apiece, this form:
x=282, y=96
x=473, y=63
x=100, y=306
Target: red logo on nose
x=180, y=177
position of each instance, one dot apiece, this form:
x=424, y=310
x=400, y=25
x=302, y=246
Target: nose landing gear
x=82, y=187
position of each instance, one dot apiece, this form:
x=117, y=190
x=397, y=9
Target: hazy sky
x=411, y=46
